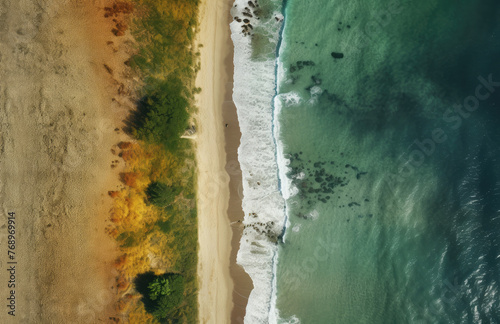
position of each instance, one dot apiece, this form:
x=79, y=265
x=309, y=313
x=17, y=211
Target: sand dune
x=57, y=121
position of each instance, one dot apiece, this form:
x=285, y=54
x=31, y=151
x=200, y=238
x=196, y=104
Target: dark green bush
x=162, y=115
x=161, y=195
x=162, y=295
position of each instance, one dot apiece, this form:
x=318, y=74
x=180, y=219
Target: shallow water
x=396, y=213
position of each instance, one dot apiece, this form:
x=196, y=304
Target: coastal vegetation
x=162, y=113
x=163, y=294
x=154, y=214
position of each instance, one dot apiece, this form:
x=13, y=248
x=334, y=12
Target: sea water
x=371, y=128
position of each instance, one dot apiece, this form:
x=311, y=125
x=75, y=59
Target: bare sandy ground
x=224, y=285
x=57, y=121
x=214, y=231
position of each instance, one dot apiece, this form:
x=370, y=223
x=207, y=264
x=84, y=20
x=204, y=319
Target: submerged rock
x=336, y=55
x=360, y=174
x=316, y=80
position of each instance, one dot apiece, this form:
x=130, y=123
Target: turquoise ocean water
x=389, y=116
x=383, y=121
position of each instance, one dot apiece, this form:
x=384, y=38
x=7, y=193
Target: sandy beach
x=224, y=286
x=214, y=233
x=57, y=125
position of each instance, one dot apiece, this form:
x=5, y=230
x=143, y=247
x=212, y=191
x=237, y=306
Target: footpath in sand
x=57, y=125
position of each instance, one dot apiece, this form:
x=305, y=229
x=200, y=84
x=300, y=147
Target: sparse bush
x=129, y=178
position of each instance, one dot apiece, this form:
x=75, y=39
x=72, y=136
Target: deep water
x=388, y=115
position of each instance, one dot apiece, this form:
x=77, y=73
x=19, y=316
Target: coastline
x=263, y=203
x=223, y=285
x=241, y=280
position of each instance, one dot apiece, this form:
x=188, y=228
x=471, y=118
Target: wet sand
x=242, y=282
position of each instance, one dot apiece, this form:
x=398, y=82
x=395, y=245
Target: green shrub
x=158, y=288
x=164, y=226
x=161, y=195
x=162, y=295
x=161, y=115
x=128, y=239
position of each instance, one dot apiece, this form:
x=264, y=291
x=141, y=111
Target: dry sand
x=224, y=286
x=214, y=232
x=57, y=121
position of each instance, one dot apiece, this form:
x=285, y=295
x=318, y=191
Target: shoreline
x=254, y=93
x=241, y=280
x=223, y=285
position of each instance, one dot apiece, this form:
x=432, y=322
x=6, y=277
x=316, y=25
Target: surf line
x=272, y=311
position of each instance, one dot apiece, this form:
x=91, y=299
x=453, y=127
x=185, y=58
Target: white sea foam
x=253, y=92
x=300, y=176
x=315, y=93
x=313, y=215
x=287, y=188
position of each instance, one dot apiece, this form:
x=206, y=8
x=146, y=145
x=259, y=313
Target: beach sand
x=57, y=121
x=224, y=286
